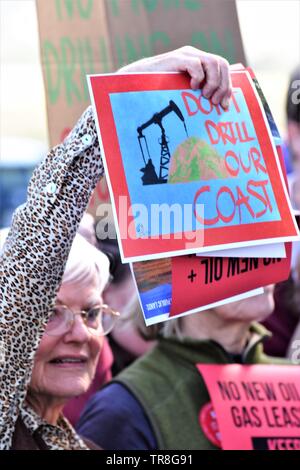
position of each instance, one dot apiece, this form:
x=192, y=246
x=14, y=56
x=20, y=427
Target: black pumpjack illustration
x=149, y=172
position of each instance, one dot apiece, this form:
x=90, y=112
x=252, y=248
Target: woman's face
x=256, y=308
x=78, y=348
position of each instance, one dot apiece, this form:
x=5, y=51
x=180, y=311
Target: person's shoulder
x=113, y=401
x=114, y=419
x=110, y=393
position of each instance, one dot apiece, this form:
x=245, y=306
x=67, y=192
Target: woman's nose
x=78, y=330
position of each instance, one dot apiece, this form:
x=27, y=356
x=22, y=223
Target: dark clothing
x=128, y=413
x=284, y=319
x=24, y=440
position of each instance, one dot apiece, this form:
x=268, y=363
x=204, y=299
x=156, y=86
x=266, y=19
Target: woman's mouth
x=67, y=361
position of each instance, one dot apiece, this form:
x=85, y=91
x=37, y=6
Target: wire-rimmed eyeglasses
x=99, y=320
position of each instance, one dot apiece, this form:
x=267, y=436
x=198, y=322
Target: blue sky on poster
x=132, y=109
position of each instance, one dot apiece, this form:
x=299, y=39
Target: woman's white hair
x=84, y=262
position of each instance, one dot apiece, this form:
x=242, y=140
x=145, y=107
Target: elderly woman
x=74, y=407
x=68, y=353
x=32, y=267
x=67, y=356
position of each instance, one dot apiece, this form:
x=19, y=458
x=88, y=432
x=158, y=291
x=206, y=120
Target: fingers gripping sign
x=207, y=70
x=210, y=71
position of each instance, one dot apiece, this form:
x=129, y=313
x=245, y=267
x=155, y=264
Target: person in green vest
x=161, y=401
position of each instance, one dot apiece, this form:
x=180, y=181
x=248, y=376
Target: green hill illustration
x=194, y=160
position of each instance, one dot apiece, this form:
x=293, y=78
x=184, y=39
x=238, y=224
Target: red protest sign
x=189, y=284
x=207, y=279
x=257, y=407
x=194, y=154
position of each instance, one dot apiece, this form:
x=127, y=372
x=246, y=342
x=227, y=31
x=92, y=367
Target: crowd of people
x=75, y=351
